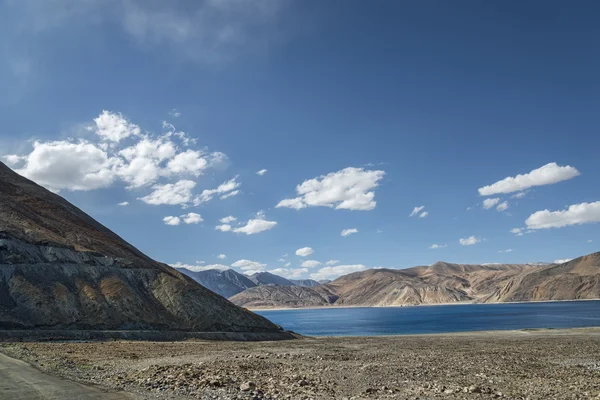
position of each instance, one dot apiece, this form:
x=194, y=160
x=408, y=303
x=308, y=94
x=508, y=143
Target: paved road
x=20, y=381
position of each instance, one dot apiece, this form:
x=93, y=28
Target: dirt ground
x=532, y=364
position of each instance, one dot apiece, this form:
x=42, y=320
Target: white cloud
x=416, y=211
x=562, y=260
x=519, y=195
x=332, y=262
x=348, y=232
x=576, y=214
x=438, y=246
x=424, y=214
x=65, y=165
x=261, y=172
x=489, y=203
x=517, y=231
x=174, y=113
x=114, y=127
x=222, y=189
x=304, y=252
x=546, y=175
x=170, y=220
x=179, y=193
x=256, y=225
x=228, y=220
x=349, y=189
x=189, y=162
x=198, y=268
x=292, y=273
x=310, y=264
x=223, y=228
x=505, y=251
x=230, y=194
x=222, y=256
x=589, y=241
x=192, y=218
x=502, y=206
x=124, y=203
x=102, y=160
x=471, y=240
x=200, y=262
x=287, y=264
x=334, y=272
x=247, y=265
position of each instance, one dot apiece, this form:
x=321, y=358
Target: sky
x=312, y=138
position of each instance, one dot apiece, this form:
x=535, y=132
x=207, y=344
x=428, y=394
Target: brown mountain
x=448, y=283
x=61, y=269
x=269, y=296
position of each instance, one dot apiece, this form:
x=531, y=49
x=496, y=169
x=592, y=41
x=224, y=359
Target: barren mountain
x=226, y=283
x=305, y=282
x=267, y=278
x=268, y=296
x=447, y=283
x=61, y=269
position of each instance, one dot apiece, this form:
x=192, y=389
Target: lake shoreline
x=458, y=303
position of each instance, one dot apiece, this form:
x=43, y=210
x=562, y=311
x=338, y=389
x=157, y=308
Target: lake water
x=373, y=321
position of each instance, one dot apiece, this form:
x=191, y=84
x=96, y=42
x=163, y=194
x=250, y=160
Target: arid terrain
x=533, y=364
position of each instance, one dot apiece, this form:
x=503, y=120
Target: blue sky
x=397, y=104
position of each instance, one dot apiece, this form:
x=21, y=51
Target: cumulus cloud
x=192, y=218
x=502, y=206
x=289, y=273
x=334, y=272
x=517, y=231
x=124, y=203
x=546, y=175
x=256, y=225
x=249, y=266
x=225, y=190
x=310, y=264
x=471, y=240
x=221, y=256
x=198, y=268
x=171, y=220
x=519, y=195
x=576, y=214
x=223, y=228
x=228, y=220
x=438, y=246
x=179, y=193
x=115, y=127
x=332, y=262
x=489, y=203
x=174, y=113
x=261, y=172
x=562, y=260
x=117, y=150
x=416, y=211
x=348, y=232
x=304, y=252
x=424, y=214
x=349, y=189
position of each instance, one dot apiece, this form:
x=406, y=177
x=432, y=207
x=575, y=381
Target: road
x=20, y=381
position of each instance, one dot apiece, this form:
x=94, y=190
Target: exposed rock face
x=266, y=278
x=445, y=283
x=61, y=269
x=226, y=283
x=305, y=282
x=268, y=296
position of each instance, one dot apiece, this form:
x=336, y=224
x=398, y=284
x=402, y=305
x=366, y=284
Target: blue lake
x=372, y=321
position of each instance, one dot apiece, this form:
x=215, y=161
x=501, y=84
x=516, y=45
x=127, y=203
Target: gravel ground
x=534, y=364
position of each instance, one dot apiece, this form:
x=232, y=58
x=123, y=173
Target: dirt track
x=545, y=364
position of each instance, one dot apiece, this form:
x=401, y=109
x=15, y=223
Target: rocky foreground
x=535, y=364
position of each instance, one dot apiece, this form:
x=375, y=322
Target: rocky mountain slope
x=225, y=283
x=267, y=278
x=444, y=283
x=61, y=269
x=305, y=282
x=269, y=296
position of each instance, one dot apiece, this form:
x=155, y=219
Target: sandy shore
x=530, y=364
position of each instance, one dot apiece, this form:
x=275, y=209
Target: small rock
x=247, y=386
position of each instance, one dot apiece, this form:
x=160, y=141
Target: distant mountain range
x=439, y=283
